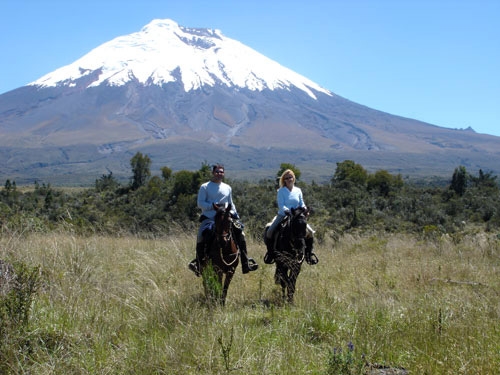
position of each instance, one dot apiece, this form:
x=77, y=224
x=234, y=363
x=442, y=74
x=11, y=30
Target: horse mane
x=221, y=217
x=297, y=216
x=299, y=211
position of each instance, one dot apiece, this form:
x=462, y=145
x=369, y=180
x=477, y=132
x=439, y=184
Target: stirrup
x=251, y=265
x=312, y=259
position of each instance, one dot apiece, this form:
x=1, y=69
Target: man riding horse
x=219, y=193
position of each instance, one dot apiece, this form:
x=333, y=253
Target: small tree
x=484, y=180
x=106, y=182
x=202, y=175
x=383, y=182
x=141, y=165
x=166, y=173
x=348, y=170
x=459, y=180
x=184, y=183
x=285, y=166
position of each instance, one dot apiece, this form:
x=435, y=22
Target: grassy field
x=126, y=305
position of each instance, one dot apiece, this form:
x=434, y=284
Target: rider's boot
x=269, y=256
x=195, y=264
x=247, y=264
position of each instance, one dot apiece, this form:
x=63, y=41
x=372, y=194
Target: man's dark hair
x=217, y=166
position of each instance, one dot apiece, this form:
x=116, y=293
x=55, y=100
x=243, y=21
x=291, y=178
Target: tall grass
x=130, y=306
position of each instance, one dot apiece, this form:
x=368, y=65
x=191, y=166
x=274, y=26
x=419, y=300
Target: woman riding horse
x=289, y=197
x=290, y=250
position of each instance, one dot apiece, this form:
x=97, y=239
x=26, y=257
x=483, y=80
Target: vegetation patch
x=407, y=280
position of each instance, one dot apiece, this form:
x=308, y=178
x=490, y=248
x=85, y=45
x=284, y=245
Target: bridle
x=224, y=237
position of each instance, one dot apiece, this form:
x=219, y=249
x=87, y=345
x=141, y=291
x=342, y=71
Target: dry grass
x=129, y=305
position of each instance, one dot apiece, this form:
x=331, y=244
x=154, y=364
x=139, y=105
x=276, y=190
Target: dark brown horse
x=219, y=265
x=290, y=251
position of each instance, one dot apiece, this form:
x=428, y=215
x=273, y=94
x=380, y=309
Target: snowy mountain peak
x=159, y=25
x=165, y=52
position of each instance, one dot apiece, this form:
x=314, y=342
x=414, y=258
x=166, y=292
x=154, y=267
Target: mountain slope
x=185, y=96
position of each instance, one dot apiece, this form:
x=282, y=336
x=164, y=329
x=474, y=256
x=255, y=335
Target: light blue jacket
x=211, y=192
x=289, y=199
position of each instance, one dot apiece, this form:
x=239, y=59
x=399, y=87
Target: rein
x=223, y=240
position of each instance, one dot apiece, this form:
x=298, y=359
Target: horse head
x=298, y=226
x=224, y=236
x=298, y=221
x=223, y=221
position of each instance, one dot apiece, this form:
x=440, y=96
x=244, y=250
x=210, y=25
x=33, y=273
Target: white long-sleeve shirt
x=288, y=199
x=212, y=192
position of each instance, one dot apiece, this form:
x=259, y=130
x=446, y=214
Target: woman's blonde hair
x=284, y=174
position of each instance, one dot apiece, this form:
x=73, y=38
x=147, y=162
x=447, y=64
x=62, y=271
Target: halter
x=224, y=236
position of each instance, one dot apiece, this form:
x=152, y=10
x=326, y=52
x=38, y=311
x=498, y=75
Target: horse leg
x=220, y=286
x=227, y=281
x=212, y=282
x=278, y=275
x=291, y=288
x=294, y=274
x=283, y=289
x=286, y=285
x=285, y=282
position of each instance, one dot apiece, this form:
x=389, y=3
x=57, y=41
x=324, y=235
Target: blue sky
x=436, y=61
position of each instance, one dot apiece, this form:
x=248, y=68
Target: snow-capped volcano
x=163, y=52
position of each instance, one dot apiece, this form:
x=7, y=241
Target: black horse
x=290, y=250
x=222, y=258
